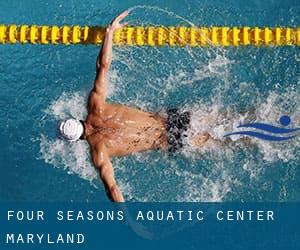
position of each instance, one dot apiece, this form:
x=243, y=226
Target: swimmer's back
x=126, y=130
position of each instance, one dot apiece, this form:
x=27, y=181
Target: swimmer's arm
x=103, y=64
x=105, y=56
x=103, y=164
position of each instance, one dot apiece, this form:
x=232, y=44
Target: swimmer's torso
x=124, y=130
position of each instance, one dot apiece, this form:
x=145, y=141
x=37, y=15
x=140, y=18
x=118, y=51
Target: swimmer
x=114, y=130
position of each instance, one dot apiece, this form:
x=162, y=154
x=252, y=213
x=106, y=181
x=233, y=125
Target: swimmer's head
x=70, y=130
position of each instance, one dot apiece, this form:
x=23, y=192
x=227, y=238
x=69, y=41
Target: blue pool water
x=42, y=84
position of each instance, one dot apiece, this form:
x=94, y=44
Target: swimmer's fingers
x=122, y=25
x=122, y=16
x=115, y=24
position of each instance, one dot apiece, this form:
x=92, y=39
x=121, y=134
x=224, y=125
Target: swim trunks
x=177, y=125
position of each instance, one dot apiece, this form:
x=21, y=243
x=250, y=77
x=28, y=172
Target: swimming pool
x=42, y=84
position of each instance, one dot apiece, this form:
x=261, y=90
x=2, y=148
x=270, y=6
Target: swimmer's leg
x=200, y=140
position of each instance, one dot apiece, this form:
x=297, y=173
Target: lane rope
x=152, y=35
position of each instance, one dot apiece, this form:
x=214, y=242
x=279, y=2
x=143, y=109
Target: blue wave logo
x=279, y=133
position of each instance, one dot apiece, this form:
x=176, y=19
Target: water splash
x=74, y=158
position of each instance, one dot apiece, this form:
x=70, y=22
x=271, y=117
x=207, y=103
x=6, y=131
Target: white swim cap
x=70, y=130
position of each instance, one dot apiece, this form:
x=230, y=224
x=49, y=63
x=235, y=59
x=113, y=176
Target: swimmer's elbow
x=105, y=63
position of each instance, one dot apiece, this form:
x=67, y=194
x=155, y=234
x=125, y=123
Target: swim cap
x=70, y=129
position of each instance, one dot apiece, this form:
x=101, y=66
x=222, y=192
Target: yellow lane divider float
x=152, y=36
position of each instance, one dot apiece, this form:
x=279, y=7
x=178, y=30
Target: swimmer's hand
x=115, y=24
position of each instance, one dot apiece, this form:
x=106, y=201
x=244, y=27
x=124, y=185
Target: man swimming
x=117, y=130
